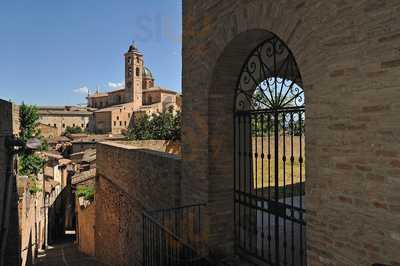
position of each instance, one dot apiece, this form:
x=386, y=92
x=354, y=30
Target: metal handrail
x=163, y=246
x=166, y=230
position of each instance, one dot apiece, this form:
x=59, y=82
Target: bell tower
x=133, y=76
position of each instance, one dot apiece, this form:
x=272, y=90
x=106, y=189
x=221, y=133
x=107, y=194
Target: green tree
x=30, y=164
x=29, y=121
x=158, y=126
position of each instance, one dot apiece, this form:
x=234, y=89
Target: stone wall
x=347, y=53
x=103, y=122
x=129, y=180
x=85, y=227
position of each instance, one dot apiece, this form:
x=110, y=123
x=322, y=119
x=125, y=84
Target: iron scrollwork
x=270, y=79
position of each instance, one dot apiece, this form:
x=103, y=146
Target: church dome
x=147, y=73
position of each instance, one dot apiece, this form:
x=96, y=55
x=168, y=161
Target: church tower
x=134, y=76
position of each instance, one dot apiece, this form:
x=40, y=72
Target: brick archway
x=221, y=137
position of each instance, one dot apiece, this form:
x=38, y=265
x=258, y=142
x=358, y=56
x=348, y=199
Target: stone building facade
x=48, y=131
x=347, y=53
x=61, y=117
x=117, y=109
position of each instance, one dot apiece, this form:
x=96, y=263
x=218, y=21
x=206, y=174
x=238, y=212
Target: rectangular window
x=125, y=123
x=115, y=123
x=63, y=125
x=82, y=125
x=120, y=123
x=55, y=125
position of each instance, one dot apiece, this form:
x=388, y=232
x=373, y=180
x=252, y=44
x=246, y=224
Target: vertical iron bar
x=249, y=179
x=262, y=187
x=245, y=236
x=269, y=188
x=234, y=184
x=292, y=181
x=301, y=188
x=276, y=170
x=284, y=186
x=240, y=182
x=255, y=185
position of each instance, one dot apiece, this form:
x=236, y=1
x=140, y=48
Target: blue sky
x=49, y=49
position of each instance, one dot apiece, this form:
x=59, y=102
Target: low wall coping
x=139, y=149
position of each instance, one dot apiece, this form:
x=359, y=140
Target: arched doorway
x=269, y=172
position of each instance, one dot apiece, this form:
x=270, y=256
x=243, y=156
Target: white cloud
x=82, y=90
x=114, y=85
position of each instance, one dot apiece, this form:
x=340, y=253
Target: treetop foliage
x=158, y=126
x=29, y=163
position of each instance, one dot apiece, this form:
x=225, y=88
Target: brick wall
x=130, y=180
x=347, y=52
x=85, y=227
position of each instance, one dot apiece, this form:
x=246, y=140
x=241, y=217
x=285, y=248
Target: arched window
x=137, y=72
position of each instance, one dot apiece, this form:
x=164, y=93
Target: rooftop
x=83, y=176
x=64, y=110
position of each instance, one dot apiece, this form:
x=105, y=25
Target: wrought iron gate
x=269, y=157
